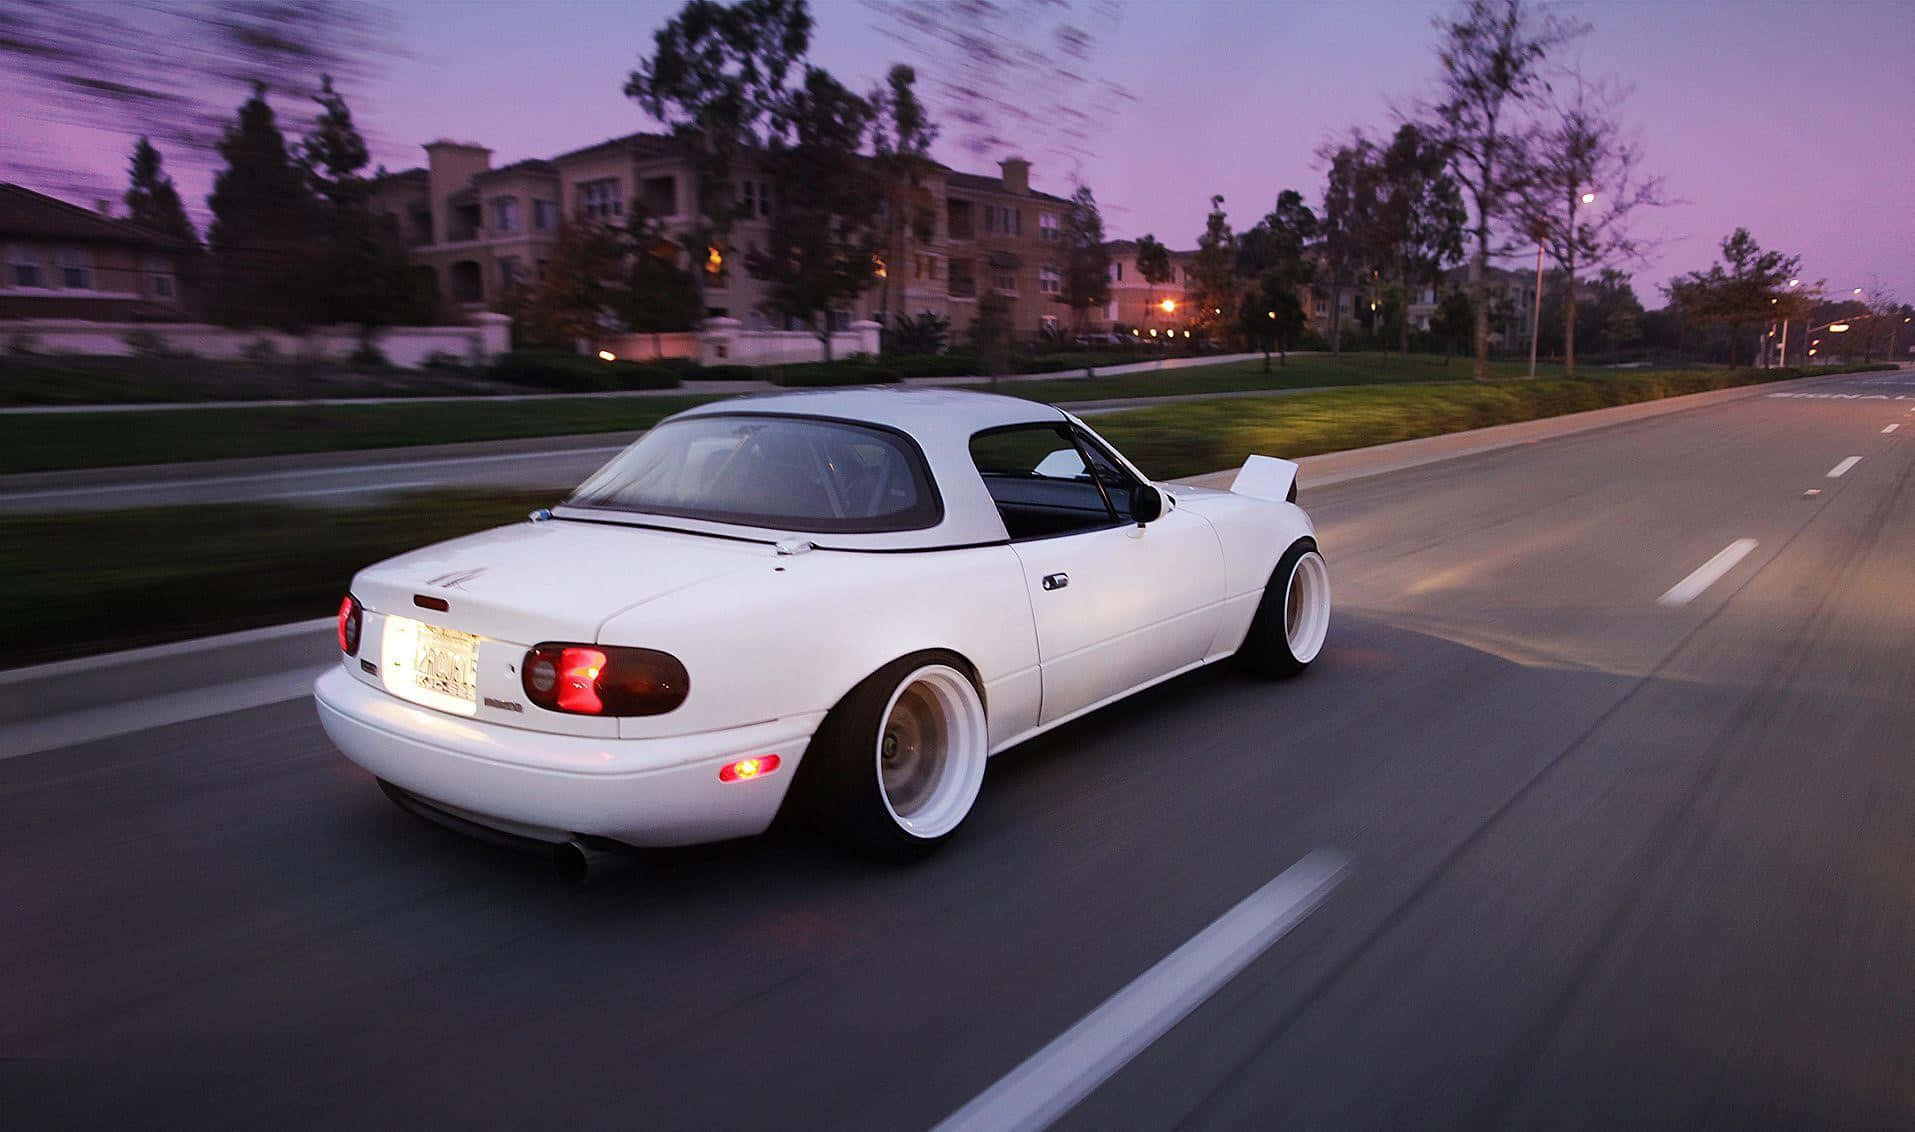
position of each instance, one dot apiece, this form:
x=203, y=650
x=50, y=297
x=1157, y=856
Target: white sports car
x=848, y=599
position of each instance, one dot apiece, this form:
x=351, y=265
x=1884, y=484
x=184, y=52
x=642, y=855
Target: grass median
x=63, y=441
x=1194, y=437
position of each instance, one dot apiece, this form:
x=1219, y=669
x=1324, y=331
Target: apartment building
x=480, y=229
x=64, y=261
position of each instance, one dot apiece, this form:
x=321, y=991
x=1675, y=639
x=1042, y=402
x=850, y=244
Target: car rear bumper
x=646, y=792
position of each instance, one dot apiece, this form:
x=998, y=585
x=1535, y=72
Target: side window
x=1118, y=483
x=1038, y=478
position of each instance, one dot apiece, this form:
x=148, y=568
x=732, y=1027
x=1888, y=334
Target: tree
x=1086, y=282
x=716, y=73
x=660, y=296
x=1575, y=152
x=1213, y=270
x=1153, y=263
x=361, y=275
x=1454, y=320
x=1273, y=254
x=261, y=238
x=901, y=142
x=823, y=242
x=1420, y=218
x=1271, y=315
x=1492, y=53
x=1616, y=314
x=991, y=333
x=1748, y=286
x=169, y=71
x=152, y=200
x=1352, y=233
x=577, y=300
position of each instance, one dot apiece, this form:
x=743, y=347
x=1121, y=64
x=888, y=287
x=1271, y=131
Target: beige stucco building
x=480, y=229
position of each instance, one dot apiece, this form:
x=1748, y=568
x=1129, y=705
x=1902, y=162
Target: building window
x=1116, y=271
x=660, y=195
x=958, y=222
x=1047, y=229
x=927, y=266
x=509, y=272
x=505, y=214
x=23, y=270
x=748, y=199
x=1049, y=325
x=1005, y=281
x=1014, y=221
x=159, y=277
x=963, y=283
x=76, y=269
x=1048, y=279
x=545, y=215
x=601, y=199
x=999, y=219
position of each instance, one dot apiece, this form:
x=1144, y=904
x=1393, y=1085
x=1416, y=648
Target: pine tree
x=363, y=279
x=262, y=237
x=152, y=200
x=1086, y=282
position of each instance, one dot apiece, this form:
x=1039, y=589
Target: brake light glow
x=351, y=618
x=604, y=680
x=745, y=769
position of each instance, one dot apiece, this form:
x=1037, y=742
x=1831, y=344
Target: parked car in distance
x=843, y=601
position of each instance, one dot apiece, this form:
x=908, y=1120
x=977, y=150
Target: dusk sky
x=1792, y=119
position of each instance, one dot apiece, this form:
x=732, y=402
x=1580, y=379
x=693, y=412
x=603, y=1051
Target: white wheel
x=1306, y=608
x=931, y=750
x=1294, y=617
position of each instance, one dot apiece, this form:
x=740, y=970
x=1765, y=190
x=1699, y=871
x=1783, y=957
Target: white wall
x=405, y=346
x=649, y=347
x=723, y=341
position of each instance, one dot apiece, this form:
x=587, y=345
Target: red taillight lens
x=603, y=680
x=351, y=617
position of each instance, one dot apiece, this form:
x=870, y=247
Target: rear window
x=783, y=473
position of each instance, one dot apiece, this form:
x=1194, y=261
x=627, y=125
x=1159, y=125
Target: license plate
x=432, y=666
x=446, y=662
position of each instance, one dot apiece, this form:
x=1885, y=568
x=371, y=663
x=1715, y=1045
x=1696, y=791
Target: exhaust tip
x=577, y=861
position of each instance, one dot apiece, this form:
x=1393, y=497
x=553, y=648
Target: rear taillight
x=351, y=616
x=603, y=680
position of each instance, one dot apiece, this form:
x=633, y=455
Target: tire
x=1294, y=616
x=897, y=765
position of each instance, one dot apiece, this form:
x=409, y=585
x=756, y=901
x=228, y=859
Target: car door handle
x=1056, y=581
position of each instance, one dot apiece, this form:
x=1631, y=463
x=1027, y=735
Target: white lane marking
x=1064, y=1072
x=87, y=726
x=1842, y=468
x=1890, y=428
x=1707, y=574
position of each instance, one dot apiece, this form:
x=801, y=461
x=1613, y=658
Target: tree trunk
x=1735, y=333
x=1336, y=318
x=825, y=337
x=1569, y=323
x=1403, y=320
x=1478, y=293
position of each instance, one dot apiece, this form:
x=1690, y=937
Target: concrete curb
x=88, y=698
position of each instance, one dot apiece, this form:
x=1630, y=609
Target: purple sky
x=1792, y=119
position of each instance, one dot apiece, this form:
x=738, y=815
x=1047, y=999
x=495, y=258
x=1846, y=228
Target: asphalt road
x=1617, y=860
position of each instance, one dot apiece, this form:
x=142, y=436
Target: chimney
x=1017, y=174
x=104, y=207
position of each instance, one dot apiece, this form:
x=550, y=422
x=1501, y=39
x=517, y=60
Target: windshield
x=783, y=473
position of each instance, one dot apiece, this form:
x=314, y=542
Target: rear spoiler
x=1266, y=477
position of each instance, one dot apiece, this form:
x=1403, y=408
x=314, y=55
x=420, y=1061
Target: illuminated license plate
x=432, y=666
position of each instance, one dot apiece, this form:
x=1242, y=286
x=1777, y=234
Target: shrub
x=261, y=351
x=925, y=333
x=726, y=372
x=574, y=373
x=24, y=344
x=146, y=344
x=441, y=360
x=368, y=356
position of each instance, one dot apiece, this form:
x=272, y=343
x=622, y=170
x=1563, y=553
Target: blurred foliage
x=75, y=584
x=1194, y=437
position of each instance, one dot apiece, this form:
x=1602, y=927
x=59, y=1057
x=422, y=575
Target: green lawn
x=73, y=584
x=1193, y=437
x=1234, y=377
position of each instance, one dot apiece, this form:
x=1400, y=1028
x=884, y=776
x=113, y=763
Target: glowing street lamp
x=1168, y=306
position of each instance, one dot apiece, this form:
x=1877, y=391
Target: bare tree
x=1492, y=54
x=171, y=70
x=1011, y=74
x=1578, y=186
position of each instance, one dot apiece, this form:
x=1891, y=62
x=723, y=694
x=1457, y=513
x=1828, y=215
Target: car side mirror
x=1146, y=503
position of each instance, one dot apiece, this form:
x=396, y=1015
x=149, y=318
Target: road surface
x=1614, y=732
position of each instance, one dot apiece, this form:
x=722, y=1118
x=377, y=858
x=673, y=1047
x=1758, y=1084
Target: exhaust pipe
x=577, y=861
